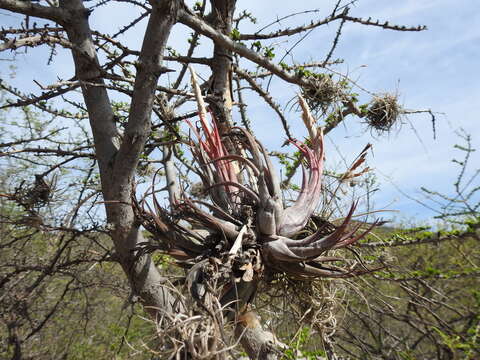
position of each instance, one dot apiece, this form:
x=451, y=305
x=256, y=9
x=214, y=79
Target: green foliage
x=197, y=6
x=426, y=296
x=301, y=71
x=235, y=35
x=300, y=347
x=364, y=108
x=268, y=52
x=61, y=298
x=80, y=307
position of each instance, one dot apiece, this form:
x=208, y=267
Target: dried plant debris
x=384, y=113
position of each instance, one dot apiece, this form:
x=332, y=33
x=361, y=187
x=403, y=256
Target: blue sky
x=436, y=69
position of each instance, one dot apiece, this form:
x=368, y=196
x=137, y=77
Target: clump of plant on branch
x=322, y=93
x=383, y=113
x=247, y=232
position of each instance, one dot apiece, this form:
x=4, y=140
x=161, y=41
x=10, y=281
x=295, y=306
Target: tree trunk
x=117, y=156
x=221, y=81
x=258, y=343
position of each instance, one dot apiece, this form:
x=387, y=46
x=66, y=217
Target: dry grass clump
x=322, y=94
x=383, y=113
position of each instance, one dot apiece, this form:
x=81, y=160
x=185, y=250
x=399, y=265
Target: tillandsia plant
x=247, y=232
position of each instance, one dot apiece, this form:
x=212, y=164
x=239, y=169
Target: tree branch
x=56, y=14
x=343, y=16
x=33, y=41
x=118, y=163
x=149, y=69
x=265, y=96
x=222, y=40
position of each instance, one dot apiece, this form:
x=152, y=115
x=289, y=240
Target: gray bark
x=118, y=157
x=258, y=343
x=222, y=18
x=28, y=8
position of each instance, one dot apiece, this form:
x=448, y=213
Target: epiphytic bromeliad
x=245, y=230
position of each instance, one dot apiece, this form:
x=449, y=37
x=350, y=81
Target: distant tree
x=228, y=222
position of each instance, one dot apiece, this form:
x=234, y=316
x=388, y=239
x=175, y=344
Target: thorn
x=87, y=13
x=163, y=69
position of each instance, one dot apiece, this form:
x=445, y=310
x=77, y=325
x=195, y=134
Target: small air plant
x=383, y=113
x=245, y=231
x=322, y=93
